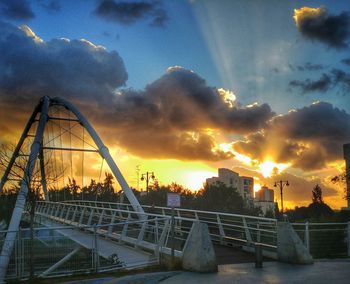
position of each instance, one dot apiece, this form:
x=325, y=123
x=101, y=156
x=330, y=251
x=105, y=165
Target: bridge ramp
x=105, y=247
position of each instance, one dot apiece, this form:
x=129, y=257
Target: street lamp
x=281, y=184
x=147, y=176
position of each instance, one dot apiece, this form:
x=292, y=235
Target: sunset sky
x=184, y=87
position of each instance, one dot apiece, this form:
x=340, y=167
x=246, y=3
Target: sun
x=269, y=168
x=194, y=180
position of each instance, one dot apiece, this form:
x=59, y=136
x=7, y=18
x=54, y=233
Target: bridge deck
x=130, y=256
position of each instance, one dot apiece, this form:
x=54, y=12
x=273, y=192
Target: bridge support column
x=290, y=248
x=221, y=229
x=110, y=227
x=258, y=256
x=307, y=237
x=82, y=216
x=90, y=217
x=62, y=211
x=247, y=233
x=198, y=254
x=141, y=234
x=74, y=214
x=125, y=229
x=101, y=217
x=57, y=210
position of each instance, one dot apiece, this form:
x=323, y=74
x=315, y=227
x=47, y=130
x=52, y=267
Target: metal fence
x=224, y=228
x=66, y=250
x=136, y=230
x=82, y=237
x=325, y=240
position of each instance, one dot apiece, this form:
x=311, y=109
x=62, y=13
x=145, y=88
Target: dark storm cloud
x=342, y=79
x=129, y=12
x=160, y=17
x=171, y=144
x=308, y=66
x=308, y=137
x=16, y=9
x=319, y=121
x=170, y=118
x=181, y=99
x=346, y=61
x=30, y=68
x=336, y=78
x=318, y=24
x=173, y=113
x=321, y=85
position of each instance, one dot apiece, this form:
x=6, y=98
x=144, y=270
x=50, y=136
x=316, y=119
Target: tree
x=316, y=211
x=317, y=194
x=107, y=190
x=73, y=187
x=341, y=180
x=219, y=197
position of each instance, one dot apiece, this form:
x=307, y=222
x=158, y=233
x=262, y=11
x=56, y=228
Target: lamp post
x=281, y=184
x=147, y=176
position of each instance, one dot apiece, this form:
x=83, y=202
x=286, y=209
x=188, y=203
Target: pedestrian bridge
x=83, y=236
x=114, y=236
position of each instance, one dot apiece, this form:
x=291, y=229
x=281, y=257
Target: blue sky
x=232, y=44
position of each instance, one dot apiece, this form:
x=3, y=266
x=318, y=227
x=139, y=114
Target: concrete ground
x=272, y=272
x=231, y=255
x=328, y=272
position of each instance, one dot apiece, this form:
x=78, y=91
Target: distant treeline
x=317, y=210
x=216, y=197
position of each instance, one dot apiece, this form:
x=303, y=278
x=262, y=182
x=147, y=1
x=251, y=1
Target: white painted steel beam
x=104, y=152
x=22, y=194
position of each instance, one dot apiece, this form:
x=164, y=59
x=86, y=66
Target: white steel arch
x=35, y=153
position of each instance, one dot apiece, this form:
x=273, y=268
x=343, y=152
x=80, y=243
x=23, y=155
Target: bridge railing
x=54, y=250
x=325, y=240
x=224, y=228
x=151, y=234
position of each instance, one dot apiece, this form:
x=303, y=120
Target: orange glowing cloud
x=307, y=12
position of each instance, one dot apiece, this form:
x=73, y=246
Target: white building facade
x=264, y=198
x=244, y=185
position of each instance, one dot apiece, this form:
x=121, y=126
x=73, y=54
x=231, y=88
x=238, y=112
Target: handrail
x=177, y=209
x=112, y=209
x=87, y=226
x=318, y=224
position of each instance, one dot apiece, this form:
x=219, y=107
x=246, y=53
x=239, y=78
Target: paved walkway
x=327, y=272
x=232, y=255
x=272, y=272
